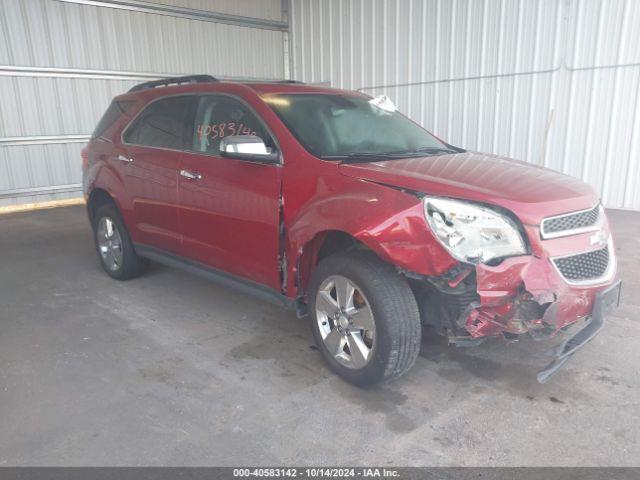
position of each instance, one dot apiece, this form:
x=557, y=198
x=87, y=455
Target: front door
x=149, y=164
x=229, y=208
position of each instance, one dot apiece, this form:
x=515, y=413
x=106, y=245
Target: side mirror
x=247, y=147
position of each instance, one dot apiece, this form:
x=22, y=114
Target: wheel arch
x=320, y=246
x=384, y=220
x=97, y=198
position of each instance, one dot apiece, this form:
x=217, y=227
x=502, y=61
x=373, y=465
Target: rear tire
x=114, y=246
x=384, y=346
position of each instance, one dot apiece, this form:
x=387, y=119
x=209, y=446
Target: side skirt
x=223, y=278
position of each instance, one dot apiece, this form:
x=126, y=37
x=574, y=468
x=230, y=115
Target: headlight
x=473, y=233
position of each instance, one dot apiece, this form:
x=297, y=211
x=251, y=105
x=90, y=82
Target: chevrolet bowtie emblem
x=597, y=238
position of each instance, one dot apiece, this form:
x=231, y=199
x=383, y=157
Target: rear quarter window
x=113, y=113
x=164, y=123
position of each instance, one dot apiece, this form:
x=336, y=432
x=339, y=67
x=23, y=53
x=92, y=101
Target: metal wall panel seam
x=362, y=28
x=562, y=66
x=437, y=63
x=409, y=55
x=572, y=82
x=4, y=30
x=312, y=27
x=452, y=44
x=311, y=40
x=396, y=41
x=43, y=139
x=595, y=80
x=183, y=12
x=286, y=40
x=320, y=28
x=294, y=35
x=634, y=146
x=26, y=192
x=423, y=64
x=465, y=89
x=373, y=43
x=534, y=83
x=558, y=44
x=483, y=56
x=340, y=44
x=385, y=15
x=22, y=123
x=322, y=22
x=613, y=119
x=516, y=83
x=9, y=170
x=39, y=26
x=351, y=49
x=496, y=99
x=55, y=72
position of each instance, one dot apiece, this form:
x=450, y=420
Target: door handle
x=190, y=175
x=124, y=159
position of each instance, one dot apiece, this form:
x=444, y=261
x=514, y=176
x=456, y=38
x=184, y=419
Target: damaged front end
x=519, y=296
x=514, y=279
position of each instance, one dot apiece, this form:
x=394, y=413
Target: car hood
x=529, y=191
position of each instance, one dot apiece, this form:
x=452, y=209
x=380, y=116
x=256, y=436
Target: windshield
x=349, y=126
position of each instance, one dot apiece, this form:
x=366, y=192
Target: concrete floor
x=170, y=369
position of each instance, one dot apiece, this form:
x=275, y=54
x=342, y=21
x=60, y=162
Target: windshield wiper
x=434, y=150
x=374, y=156
x=367, y=156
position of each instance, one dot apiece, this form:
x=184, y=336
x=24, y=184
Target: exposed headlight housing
x=471, y=232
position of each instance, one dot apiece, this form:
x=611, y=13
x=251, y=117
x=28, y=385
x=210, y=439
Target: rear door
x=229, y=208
x=149, y=163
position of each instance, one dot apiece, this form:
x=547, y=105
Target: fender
x=101, y=175
x=388, y=221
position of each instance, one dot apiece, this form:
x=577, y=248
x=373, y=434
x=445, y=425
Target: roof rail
x=259, y=80
x=164, y=82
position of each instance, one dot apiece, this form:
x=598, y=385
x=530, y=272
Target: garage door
x=61, y=61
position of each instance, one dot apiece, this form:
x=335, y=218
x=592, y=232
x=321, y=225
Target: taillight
x=84, y=153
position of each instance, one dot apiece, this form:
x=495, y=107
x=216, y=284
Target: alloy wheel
x=345, y=321
x=110, y=243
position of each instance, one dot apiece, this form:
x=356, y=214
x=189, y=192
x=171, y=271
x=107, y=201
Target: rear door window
x=115, y=110
x=220, y=116
x=164, y=123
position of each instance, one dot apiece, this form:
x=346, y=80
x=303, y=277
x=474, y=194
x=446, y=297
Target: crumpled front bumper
x=527, y=295
x=605, y=301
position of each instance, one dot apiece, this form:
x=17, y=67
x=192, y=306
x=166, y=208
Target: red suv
x=333, y=203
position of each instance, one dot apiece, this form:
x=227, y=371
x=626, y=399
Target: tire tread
x=392, y=300
x=133, y=265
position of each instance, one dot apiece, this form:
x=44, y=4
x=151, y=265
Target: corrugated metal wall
x=61, y=62
x=554, y=82
x=271, y=9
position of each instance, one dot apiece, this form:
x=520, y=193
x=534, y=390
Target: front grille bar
x=571, y=223
x=587, y=268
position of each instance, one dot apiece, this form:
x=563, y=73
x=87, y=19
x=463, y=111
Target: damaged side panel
x=404, y=240
x=388, y=222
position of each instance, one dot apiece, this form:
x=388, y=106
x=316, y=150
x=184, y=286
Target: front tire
x=114, y=246
x=365, y=318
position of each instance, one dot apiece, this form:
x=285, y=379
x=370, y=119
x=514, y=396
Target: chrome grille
x=584, y=266
x=566, y=224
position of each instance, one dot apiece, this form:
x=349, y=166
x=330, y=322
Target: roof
x=281, y=87
x=205, y=83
